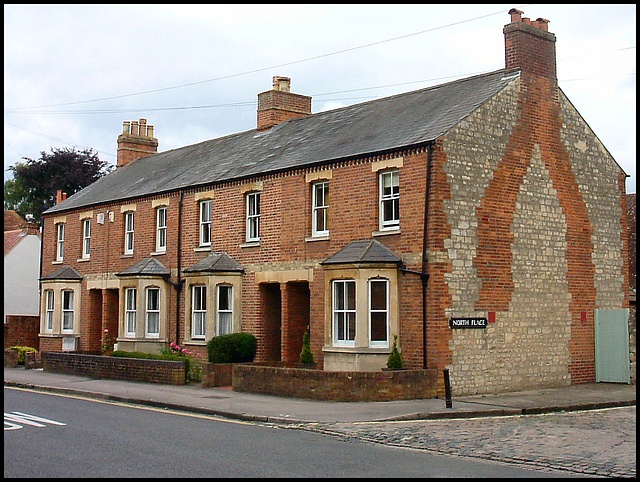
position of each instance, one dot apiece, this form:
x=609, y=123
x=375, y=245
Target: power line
x=351, y=49
x=253, y=103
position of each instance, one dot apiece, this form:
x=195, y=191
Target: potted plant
x=395, y=358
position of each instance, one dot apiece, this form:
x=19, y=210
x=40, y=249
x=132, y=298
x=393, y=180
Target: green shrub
x=395, y=359
x=21, y=350
x=150, y=356
x=232, y=348
x=306, y=355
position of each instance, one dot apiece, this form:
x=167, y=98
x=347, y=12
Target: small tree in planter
x=306, y=355
x=395, y=359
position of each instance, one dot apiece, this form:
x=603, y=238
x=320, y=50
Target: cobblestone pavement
x=590, y=442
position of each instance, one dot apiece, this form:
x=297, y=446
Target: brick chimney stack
x=280, y=104
x=135, y=141
x=60, y=196
x=530, y=46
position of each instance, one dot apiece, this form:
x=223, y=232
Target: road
x=77, y=437
x=590, y=442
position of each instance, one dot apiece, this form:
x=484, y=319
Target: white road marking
x=26, y=419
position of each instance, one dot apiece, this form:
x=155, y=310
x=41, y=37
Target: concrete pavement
x=223, y=401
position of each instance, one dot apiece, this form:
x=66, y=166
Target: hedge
x=232, y=348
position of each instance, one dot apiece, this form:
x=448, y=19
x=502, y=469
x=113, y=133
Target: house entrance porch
x=284, y=315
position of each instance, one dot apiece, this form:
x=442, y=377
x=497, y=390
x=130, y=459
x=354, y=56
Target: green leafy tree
x=36, y=181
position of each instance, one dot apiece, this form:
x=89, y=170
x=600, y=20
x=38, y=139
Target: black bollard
x=447, y=389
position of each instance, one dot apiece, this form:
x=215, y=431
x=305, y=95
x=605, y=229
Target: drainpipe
x=178, y=284
x=425, y=275
x=180, y=280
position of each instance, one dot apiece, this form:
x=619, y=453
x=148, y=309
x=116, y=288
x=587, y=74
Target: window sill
x=386, y=232
x=84, y=260
x=202, y=248
x=357, y=349
x=158, y=253
x=317, y=238
x=250, y=244
x=57, y=262
x=126, y=255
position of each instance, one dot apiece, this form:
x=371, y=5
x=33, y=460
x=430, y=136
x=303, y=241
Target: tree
x=35, y=182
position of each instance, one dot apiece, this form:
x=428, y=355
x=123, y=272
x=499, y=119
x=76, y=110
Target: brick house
x=320, y=223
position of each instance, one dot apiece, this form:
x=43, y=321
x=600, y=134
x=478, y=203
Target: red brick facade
x=476, y=263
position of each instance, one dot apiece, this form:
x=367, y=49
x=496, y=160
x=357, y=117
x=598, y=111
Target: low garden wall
x=216, y=374
x=118, y=368
x=378, y=386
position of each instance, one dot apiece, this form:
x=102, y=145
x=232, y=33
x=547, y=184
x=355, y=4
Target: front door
x=612, y=345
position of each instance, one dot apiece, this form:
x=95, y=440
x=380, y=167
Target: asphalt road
x=49, y=435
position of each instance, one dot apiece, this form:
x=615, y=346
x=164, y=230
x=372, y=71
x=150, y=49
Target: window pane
x=224, y=295
x=338, y=296
x=351, y=295
x=153, y=321
x=340, y=328
x=153, y=299
x=199, y=320
x=67, y=300
x=351, y=326
x=225, y=323
x=378, y=295
x=378, y=326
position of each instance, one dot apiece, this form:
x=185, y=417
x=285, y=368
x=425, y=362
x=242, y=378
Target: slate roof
x=373, y=127
x=363, y=251
x=146, y=267
x=215, y=262
x=63, y=273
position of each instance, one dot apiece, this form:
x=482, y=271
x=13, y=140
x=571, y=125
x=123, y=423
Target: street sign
x=468, y=322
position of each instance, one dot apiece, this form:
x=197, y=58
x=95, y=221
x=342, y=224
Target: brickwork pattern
x=21, y=330
x=336, y=386
x=140, y=370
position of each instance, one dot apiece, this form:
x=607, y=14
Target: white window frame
x=161, y=229
x=342, y=314
x=319, y=210
x=129, y=226
x=67, y=311
x=379, y=343
x=206, y=207
x=49, y=310
x=253, y=216
x=130, y=311
x=152, y=312
x=389, y=197
x=86, y=238
x=198, y=312
x=60, y=241
x=224, y=312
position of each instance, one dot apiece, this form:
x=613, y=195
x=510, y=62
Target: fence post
x=447, y=389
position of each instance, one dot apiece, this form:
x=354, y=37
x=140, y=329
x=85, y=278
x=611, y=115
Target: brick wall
x=21, y=330
x=131, y=369
x=338, y=386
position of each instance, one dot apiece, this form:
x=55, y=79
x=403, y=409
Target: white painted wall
x=21, y=273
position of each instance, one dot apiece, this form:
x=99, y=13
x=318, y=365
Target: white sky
x=194, y=71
